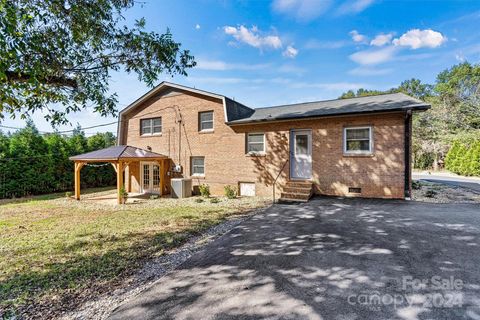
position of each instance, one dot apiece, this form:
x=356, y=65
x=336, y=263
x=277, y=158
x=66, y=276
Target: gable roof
x=380, y=103
x=237, y=113
x=118, y=153
x=233, y=109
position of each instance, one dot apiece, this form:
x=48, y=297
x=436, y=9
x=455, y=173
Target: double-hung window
x=255, y=142
x=150, y=126
x=205, y=121
x=198, y=166
x=357, y=140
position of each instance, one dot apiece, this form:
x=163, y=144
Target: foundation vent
x=354, y=190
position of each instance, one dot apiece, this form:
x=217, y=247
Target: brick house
x=346, y=147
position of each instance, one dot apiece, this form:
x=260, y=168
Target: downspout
x=408, y=154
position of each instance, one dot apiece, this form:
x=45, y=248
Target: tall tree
x=459, y=89
x=58, y=55
x=415, y=88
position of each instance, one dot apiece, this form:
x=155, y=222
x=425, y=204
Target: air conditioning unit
x=181, y=188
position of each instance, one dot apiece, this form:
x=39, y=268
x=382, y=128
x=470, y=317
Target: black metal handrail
x=278, y=175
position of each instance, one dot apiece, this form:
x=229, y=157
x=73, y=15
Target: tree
x=59, y=166
x=28, y=168
x=475, y=160
x=347, y=95
x=100, y=141
x=415, y=88
x=59, y=55
x=77, y=143
x=459, y=89
x=364, y=93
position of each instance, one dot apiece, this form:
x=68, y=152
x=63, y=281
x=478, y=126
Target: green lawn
x=54, y=250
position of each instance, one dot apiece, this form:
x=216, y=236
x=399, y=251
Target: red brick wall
x=379, y=175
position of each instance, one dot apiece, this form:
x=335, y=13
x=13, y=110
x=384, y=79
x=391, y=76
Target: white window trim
x=360, y=152
x=151, y=127
x=191, y=167
x=200, y=121
x=264, y=144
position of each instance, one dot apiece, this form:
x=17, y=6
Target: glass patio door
x=150, y=175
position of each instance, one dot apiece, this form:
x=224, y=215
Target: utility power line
x=92, y=127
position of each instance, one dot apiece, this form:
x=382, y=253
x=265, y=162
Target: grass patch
x=54, y=250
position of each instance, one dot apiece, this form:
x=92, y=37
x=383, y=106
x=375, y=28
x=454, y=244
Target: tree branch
x=51, y=80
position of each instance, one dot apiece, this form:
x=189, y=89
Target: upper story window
x=150, y=126
x=256, y=142
x=357, y=140
x=205, y=121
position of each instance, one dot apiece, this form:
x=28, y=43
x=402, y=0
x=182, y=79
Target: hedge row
x=31, y=163
x=464, y=158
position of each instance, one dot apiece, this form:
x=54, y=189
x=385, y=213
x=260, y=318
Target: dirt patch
x=440, y=193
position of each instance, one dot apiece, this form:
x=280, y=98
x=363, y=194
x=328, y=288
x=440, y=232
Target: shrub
x=464, y=158
x=68, y=194
x=198, y=200
x=214, y=200
x=423, y=160
x=430, y=193
x=475, y=160
x=416, y=185
x=230, y=191
x=123, y=194
x=204, y=190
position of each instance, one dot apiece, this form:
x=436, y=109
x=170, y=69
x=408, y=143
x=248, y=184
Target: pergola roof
x=116, y=153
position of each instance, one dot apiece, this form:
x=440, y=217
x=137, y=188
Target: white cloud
x=366, y=71
x=211, y=65
x=302, y=9
x=372, y=57
x=223, y=80
x=417, y=38
x=219, y=65
x=290, y=52
x=354, y=6
x=252, y=37
x=197, y=26
x=460, y=57
x=357, y=37
x=381, y=40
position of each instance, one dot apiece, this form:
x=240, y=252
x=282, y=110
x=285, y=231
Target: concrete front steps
x=297, y=191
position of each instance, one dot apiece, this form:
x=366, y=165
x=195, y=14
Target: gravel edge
x=102, y=306
x=444, y=193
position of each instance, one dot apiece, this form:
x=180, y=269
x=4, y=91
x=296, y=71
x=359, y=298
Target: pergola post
x=119, y=181
x=78, y=167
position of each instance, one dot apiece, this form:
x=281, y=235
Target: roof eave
x=419, y=107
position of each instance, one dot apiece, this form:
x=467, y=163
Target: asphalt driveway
x=330, y=259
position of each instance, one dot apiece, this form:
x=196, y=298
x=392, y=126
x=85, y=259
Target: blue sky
x=265, y=53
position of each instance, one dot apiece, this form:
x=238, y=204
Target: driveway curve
x=329, y=259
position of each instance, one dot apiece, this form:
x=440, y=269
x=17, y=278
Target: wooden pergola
x=120, y=157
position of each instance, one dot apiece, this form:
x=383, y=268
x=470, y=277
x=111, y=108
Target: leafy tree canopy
x=413, y=87
x=58, y=55
x=454, y=115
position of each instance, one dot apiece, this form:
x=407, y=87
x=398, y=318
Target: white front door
x=301, y=154
x=150, y=176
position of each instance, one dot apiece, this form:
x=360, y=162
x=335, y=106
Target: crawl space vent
x=354, y=190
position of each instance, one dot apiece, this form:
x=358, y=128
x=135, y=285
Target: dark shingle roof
x=380, y=103
x=236, y=110
x=117, y=153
